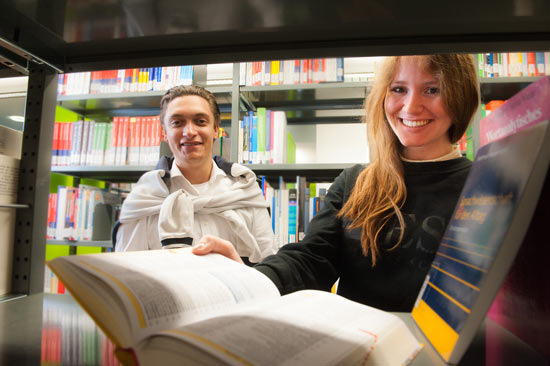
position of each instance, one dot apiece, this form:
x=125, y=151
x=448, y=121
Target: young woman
x=382, y=223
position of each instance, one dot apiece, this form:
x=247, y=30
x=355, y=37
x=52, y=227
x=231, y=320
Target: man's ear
x=164, y=137
x=216, y=132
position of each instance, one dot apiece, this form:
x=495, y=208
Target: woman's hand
x=213, y=244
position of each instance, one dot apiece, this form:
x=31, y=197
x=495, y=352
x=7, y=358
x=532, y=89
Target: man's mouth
x=190, y=144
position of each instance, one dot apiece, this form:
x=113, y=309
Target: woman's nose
x=413, y=103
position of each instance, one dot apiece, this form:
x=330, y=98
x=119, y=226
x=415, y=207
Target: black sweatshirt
x=330, y=251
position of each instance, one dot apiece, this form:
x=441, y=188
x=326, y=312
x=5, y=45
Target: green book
x=260, y=112
x=290, y=150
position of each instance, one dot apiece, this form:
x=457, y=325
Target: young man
x=192, y=195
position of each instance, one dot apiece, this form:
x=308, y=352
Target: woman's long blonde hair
x=380, y=192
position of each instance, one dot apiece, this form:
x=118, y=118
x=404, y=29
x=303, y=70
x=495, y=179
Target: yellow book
x=275, y=66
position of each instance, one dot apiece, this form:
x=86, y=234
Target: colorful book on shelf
x=292, y=215
x=481, y=240
x=158, y=316
x=260, y=136
x=524, y=109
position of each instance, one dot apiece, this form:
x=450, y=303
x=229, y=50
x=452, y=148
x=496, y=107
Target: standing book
x=481, y=241
x=168, y=307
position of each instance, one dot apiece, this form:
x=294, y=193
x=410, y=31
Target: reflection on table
x=70, y=336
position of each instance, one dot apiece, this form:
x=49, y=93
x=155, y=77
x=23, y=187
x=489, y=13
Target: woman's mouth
x=410, y=123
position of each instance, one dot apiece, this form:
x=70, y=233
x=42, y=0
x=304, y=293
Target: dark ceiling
x=77, y=35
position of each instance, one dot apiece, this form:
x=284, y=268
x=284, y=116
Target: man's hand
x=213, y=244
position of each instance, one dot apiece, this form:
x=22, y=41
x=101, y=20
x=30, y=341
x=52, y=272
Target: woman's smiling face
x=417, y=112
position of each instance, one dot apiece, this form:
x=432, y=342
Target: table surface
x=52, y=329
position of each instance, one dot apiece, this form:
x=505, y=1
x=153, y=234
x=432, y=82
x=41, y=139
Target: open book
x=168, y=307
x=481, y=241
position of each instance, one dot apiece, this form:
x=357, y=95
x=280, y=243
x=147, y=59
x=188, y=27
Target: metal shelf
x=314, y=172
x=130, y=104
x=502, y=88
x=81, y=243
x=314, y=86
x=307, y=97
x=122, y=173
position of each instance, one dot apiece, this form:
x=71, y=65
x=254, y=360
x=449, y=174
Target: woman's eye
x=432, y=90
x=398, y=89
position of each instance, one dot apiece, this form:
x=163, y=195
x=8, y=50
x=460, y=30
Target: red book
x=316, y=69
x=60, y=288
x=296, y=76
x=55, y=143
x=531, y=64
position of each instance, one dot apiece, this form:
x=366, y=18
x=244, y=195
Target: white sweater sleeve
x=140, y=234
x=263, y=232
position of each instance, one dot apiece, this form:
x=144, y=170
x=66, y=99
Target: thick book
x=168, y=307
x=526, y=108
x=480, y=243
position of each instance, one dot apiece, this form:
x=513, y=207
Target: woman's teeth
x=414, y=123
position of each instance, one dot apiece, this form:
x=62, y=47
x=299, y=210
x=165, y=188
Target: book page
x=166, y=288
x=303, y=328
x=9, y=177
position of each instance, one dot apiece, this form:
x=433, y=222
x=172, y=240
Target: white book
x=60, y=212
x=85, y=136
x=89, y=149
x=179, y=308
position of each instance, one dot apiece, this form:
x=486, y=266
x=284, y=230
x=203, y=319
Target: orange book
x=132, y=141
x=531, y=64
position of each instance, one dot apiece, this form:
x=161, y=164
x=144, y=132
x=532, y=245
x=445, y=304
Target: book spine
x=261, y=127
x=55, y=143
x=275, y=68
x=89, y=151
x=292, y=215
x=245, y=139
x=539, y=60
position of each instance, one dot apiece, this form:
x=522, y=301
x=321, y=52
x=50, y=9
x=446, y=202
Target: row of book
x=514, y=64
x=70, y=337
x=287, y=72
x=292, y=206
x=124, y=80
x=125, y=141
x=264, y=139
x=81, y=213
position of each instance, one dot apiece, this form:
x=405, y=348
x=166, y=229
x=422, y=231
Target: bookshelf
x=45, y=40
x=301, y=102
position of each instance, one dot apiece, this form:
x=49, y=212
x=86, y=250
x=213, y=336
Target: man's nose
x=188, y=129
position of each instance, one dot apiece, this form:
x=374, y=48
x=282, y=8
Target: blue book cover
x=483, y=236
x=292, y=215
x=254, y=139
x=539, y=60
x=158, y=81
